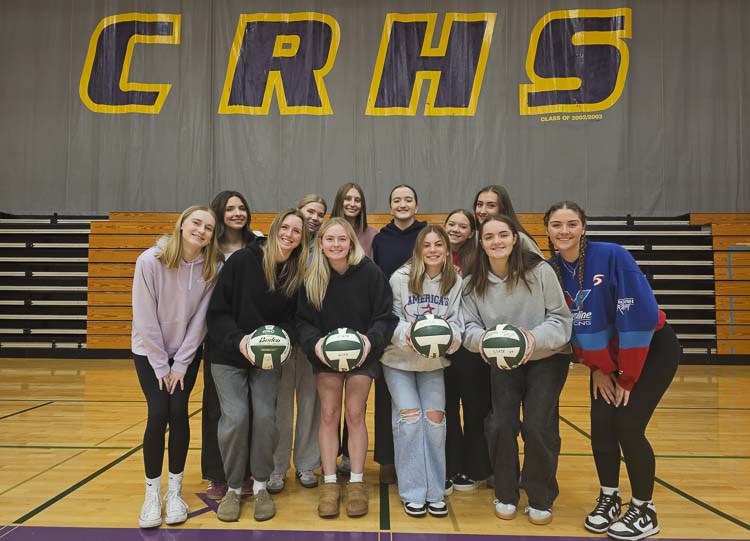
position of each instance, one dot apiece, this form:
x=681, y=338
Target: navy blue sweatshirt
x=241, y=303
x=393, y=247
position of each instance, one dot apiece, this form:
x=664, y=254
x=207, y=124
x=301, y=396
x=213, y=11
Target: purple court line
x=52, y=533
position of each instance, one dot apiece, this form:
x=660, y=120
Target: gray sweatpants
x=232, y=387
x=297, y=375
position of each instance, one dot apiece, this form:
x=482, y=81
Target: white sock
x=329, y=478
x=237, y=491
x=174, y=482
x=356, y=477
x=153, y=485
x=638, y=502
x=609, y=491
x=258, y=486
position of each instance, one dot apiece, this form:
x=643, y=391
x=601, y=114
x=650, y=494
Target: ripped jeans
x=418, y=442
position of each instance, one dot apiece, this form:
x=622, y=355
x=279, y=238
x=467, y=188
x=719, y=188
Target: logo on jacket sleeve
x=623, y=305
x=598, y=279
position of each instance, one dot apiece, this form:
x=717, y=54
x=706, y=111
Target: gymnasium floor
x=71, y=466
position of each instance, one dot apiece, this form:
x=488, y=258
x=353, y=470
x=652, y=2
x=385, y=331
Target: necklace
x=570, y=268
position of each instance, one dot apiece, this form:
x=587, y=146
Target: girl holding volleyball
x=172, y=285
x=620, y=333
x=513, y=286
x=427, y=284
x=258, y=286
x=343, y=288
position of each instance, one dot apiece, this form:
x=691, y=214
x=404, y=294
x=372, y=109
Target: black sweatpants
x=165, y=409
x=614, y=428
x=467, y=383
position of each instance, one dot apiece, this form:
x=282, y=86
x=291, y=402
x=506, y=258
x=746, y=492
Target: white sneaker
x=505, y=511
x=539, y=517
x=639, y=522
x=275, y=483
x=177, y=509
x=150, y=516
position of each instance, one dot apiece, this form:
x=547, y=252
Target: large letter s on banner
x=104, y=86
x=577, y=61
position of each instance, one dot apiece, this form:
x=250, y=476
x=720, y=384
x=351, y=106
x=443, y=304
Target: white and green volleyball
x=268, y=347
x=504, y=345
x=343, y=349
x=431, y=336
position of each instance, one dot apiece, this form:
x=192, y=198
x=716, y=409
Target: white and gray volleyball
x=431, y=336
x=268, y=347
x=504, y=345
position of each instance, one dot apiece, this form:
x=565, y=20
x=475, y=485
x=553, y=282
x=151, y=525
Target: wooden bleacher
x=731, y=250
x=115, y=244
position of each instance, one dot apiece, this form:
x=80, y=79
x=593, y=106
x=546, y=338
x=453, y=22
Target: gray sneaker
x=307, y=478
x=264, y=507
x=275, y=483
x=229, y=508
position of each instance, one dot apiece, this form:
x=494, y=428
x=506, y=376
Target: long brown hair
x=418, y=269
x=569, y=205
x=505, y=204
x=338, y=206
x=468, y=248
x=219, y=205
x=170, y=251
x=292, y=272
x=520, y=262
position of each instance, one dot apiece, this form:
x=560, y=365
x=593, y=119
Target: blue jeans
x=418, y=442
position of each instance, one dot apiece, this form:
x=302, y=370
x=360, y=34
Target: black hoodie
x=361, y=299
x=393, y=247
x=241, y=303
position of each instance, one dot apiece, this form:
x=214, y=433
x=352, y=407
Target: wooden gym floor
x=71, y=466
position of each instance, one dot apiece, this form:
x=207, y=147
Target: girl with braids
x=172, y=286
x=350, y=204
x=620, y=333
x=343, y=288
x=512, y=285
x=426, y=284
x=257, y=286
x=495, y=199
x=232, y=234
x=466, y=381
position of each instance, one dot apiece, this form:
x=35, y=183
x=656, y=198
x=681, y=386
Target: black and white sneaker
x=448, y=487
x=415, y=509
x=462, y=483
x=607, y=510
x=638, y=523
x=437, y=509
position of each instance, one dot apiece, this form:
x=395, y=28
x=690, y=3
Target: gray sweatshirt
x=169, y=311
x=543, y=311
x=408, y=307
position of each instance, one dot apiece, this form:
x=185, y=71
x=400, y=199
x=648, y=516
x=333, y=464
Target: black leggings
x=613, y=428
x=163, y=409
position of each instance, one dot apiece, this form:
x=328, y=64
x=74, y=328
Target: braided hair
x=570, y=205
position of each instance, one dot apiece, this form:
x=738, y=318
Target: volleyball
x=268, y=347
x=431, y=336
x=343, y=349
x=504, y=345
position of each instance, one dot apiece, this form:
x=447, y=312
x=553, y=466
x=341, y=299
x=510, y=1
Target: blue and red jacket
x=615, y=314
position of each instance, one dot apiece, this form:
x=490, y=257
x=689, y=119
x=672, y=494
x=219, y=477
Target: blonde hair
x=319, y=270
x=170, y=252
x=291, y=274
x=312, y=198
x=418, y=269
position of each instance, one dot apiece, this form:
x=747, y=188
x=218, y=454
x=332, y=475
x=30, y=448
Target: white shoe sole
x=465, y=488
x=641, y=535
x=503, y=516
x=448, y=491
x=438, y=513
x=149, y=523
x=600, y=529
x=178, y=519
x=540, y=522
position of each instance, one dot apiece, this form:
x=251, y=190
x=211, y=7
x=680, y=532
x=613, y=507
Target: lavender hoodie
x=169, y=311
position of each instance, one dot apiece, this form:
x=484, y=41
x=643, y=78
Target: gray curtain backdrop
x=676, y=141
